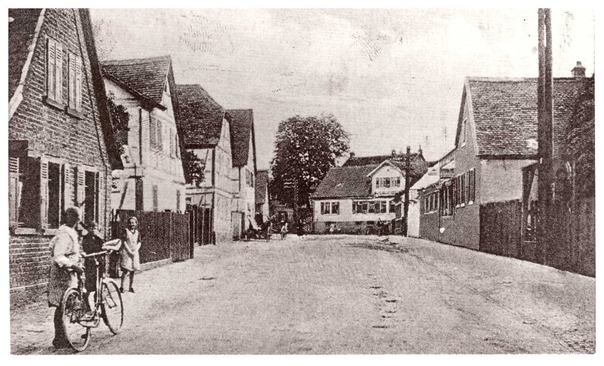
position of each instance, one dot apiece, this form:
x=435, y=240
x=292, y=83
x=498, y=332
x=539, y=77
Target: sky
x=392, y=77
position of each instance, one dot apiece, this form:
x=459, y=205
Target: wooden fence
x=201, y=223
x=573, y=248
x=500, y=228
x=164, y=235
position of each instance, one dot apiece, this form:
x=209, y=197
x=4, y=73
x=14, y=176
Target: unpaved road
x=341, y=295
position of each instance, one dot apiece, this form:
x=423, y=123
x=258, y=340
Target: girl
x=129, y=246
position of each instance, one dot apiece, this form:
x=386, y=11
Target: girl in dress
x=128, y=247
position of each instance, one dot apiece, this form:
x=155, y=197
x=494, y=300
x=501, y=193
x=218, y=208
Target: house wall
x=58, y=136
x=463, y=227
x=162, y=168
x=414, y=214
x=430, y=224
x=387, y=171
x=501, y=180
x=346, y=221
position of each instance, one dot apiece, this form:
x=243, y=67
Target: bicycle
x=78, y=319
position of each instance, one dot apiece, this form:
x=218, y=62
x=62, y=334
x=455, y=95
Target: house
x=496, y=139
x=243, y=149
x=224, y=141
x=357, y=196
x=61, y=142
x=429, y=178
x=152, y=178
x=262, y=196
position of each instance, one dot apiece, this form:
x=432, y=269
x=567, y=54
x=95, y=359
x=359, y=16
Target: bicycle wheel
x=72, y=306
x=112, y=308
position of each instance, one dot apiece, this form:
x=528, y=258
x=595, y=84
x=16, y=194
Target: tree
x=305, y=149
x=119, y=121
x=194, y=168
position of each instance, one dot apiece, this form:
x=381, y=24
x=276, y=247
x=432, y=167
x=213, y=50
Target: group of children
x=67, y=252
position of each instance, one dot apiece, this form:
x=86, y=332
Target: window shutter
x=67, y=186
x=72, y=80
x=80, y=182
x=43, y=193
x=177, y=145
x=160, y=143
x=51, y=55
x=59, y=74
x=78, y=83
x=171, y=143
x=152, y=132
x=97, y=190
x=13, y=189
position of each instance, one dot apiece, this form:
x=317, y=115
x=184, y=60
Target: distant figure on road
x=65, y=251
x=283, y=229
x=332, y=229
x=129, y=246
x=300, y=230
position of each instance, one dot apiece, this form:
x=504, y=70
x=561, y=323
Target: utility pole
x=545, y=132
x=406, y=203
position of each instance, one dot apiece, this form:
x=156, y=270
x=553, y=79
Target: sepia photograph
x=293, y=181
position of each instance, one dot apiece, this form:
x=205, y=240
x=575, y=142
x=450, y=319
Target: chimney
x=578, y=71
x=351, y=155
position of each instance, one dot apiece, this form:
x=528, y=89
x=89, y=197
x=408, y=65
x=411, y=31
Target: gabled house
x=152, y=178
x=262, y=196
x=243, y=145
x=61, y=143
x=357, y=196
x=496, y=139
x=224, y=142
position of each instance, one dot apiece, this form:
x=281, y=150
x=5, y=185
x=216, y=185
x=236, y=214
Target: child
x=92, y=243
x=283, y=229
x=129, y=246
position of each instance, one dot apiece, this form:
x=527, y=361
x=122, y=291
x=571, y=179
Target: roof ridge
x=517, y=79
x=136, y=60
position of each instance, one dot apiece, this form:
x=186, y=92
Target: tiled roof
x=144, y=77
x=20, y=36
x=261, y=186
x=200, y=117
x=242, y=123
x=345, y=181
x=505, y=113
x=418, y=164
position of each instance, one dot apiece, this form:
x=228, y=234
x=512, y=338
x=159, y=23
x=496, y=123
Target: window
x=464, y=127
x=172, y=145
x=177, y=147
x=41, y=190
x=75, y=82
x=463, y=189
x=446, y=199
x=155, y=134
x=155, y=198
x=363, y=207
x=249, y=178
x=391, y=206
x=472, y=186
x=387, y=182
x=330, y=208
x=177, y=200
x=54, y=72
x=24, y=192
x=91, y=196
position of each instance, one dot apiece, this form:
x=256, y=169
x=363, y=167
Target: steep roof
x=22, y=39
x=505, y=113
x=345, y=181
x=21, y=34
x=261, y=186
x=418, y=164
x=200, y=117
x=143, y=77
x=242, y=125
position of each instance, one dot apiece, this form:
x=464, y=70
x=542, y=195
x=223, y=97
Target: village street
x=340, y=295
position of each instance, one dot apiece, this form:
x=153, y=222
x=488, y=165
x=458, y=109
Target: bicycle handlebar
x=103, y=252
